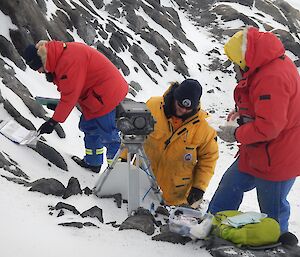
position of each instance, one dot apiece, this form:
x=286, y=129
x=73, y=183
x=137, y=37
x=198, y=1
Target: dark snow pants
x=99, y=133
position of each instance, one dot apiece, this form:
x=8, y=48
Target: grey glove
x=227, y=133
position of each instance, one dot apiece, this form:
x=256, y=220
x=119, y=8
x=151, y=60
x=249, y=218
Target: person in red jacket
x=84, y=76
x=267, y=98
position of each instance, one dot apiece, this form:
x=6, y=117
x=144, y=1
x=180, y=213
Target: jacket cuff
x=235, y=134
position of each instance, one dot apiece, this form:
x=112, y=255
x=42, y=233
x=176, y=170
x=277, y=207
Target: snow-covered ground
x=28, y=229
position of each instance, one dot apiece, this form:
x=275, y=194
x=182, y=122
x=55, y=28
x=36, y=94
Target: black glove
x=194, y=195
x=52, y=106
x=47, y=127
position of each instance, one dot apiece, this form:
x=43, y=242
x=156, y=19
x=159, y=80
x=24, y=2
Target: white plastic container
x=202, y=230
x=182, y=220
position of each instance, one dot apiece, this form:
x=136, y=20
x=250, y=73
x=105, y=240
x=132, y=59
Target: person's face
x=238, y=72
x=181, y=110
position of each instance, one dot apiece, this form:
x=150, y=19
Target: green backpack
x=265, y=232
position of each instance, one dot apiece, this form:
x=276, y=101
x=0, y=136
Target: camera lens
x=124, y=125
x=139, y=122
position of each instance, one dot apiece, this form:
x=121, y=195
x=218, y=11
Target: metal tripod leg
x=133, y=185
x=107, y=171
x=147, y=168
x=134, y=146
x=133, y=179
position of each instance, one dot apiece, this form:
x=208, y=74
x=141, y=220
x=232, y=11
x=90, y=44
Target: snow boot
x=83, y=164
x=288, y=238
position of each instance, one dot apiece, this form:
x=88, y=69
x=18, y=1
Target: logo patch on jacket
x=187, y=157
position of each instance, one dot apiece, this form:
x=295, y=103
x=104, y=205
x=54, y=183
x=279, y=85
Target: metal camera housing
x=134, y=118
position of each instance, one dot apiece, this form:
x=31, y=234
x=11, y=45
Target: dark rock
x=117, y=197
x=18, y=117
x=12, y=168
x=73, y=188
x=10, y=81
x=136, y=22
x=61, y=213
x=288, y=41
x=230, y=14
x=171, y=238
x=78, y=224
x=162, y=210
x=141, y=220
x=113, y=8
x=160, y=16
x=72, y=224
x=135, y=85
x=66, y=206
x=118, y=41
x=80, y=19
x=8, y=50
x=60, y=131
x=178, y=61
x=17, y=181
x=87, y=191
x=63, y=20
x=221, y=248
x=113, y=58
x=89, y=224
x=288, y=239
x=156, y=39
x=269, y=8
x=248, y=3
x=141, y=57
x=51, y=155
x=98, y=3
x=42, y=5
x=48, y=186
x=31, y=22
x=113, y=223
x=94, y=212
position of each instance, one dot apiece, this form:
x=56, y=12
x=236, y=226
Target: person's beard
x=49, y=76
x=184, y=116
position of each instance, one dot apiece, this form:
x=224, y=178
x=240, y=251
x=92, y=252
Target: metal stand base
x=134, y=145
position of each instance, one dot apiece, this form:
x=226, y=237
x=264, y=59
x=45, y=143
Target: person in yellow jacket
x=183, y=148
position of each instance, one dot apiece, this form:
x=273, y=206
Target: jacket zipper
x=167, y=142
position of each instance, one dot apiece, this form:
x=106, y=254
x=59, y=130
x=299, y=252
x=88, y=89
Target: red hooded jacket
x=269, y=93
x=85, y=76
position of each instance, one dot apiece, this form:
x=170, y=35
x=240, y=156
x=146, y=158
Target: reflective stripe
x=88, y=151
x=100, y=150
x=109, y=161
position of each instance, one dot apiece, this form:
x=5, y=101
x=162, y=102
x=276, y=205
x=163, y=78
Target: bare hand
x=233, y=115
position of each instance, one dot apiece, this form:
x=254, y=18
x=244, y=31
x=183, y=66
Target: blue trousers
x=271, y=195
x=99, y=133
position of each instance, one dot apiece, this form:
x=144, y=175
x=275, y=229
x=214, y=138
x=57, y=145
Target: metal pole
x=106, y=172
x=147, y=168
x=133, y=185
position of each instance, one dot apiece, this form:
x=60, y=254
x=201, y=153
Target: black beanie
x=188, y=93
x=32, y=58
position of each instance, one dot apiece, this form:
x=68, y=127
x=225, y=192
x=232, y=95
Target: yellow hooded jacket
x=183, y=158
